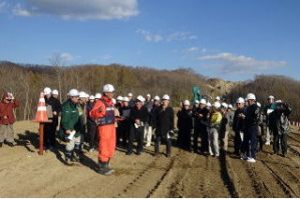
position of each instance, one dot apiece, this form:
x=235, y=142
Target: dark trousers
x=123, y=133
x=250, y=141
x=49, y=134
x=138, y=135
x=184, y=139
x=158, y=140
x=237, y=142
x=92, y=134
x=280, y=141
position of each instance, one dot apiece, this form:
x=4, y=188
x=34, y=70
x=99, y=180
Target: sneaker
x=251, y=160
x=128, y=153
x=69, y=162
x=148, y=145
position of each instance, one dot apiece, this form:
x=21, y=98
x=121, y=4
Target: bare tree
x=57, y=61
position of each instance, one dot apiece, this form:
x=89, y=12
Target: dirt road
x=25, y=174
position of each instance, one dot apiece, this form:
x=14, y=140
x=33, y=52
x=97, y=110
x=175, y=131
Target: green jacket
x=70, y=119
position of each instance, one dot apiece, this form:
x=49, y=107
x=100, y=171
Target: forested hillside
x=281, y=87
x=27, y=81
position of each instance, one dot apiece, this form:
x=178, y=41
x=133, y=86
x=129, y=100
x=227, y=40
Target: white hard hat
x=240, y=100
x=251, y=96
x=217, y=105
x=130, y=95
x=119, y=98
x=230, y=106
x=47, y=91
x=218, y=98
x=140, y=98
x=114, y=101
x=197, y=102
x=82, y=94
x=224, y=105
x=125, y=99
x=166, y=97
x=92, y=97
x=108, y=88
x=73, y=93
x=203, y=101
x=208, y=104
x=148, y=95
x=55, y=92
x=98, y=96
x=258, y=104
x=271, y=97
x=157, y=98
x=186, y=103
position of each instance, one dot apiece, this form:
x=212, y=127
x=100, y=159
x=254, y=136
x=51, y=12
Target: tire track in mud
x=245, y=180
x=261, y=189
x=149, y=179
x=227, y=175
x=280, y=181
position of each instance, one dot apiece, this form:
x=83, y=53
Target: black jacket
x=164, y=121
x=238, y=123
x=185, y=120
x=141, y=114
x=55, y=104
x=252, y=115
x=201, y=122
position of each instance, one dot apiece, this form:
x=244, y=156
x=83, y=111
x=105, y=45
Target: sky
x=229, y=39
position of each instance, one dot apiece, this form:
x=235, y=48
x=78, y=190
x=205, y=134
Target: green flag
x=196, y=93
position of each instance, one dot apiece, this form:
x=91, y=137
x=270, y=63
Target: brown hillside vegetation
x=281, y=87
x=26, y=81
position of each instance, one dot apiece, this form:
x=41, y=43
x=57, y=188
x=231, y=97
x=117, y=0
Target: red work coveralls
x=107, y=133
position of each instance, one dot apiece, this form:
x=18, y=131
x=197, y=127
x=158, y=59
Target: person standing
x=70, y=125
x=91, y=125
x=83, y=98
x=270, y=119
x=164, y=125
x=49, y=130
x=103, y=113
x=214, y=129
x=185, y=126
x=138, y=117
x=238, y=126
x=56, y=108
x=7, y=119
x=148, y=126
x=201, y=123
x=282, y=112
x=252, y=118
x=124, y=124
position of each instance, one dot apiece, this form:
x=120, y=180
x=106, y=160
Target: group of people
x=248, y=122
x=103, y=122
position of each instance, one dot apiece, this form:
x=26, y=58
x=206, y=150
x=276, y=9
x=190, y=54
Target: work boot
x=69, y=158
x=11, y=144
x=103, y=169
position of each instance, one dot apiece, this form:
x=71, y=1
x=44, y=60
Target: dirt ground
x=23, y=173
